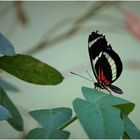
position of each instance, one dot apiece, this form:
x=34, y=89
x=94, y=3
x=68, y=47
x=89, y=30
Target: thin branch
x=132, y=64
x=20, y=12
x=58, y=26
x=95, y=8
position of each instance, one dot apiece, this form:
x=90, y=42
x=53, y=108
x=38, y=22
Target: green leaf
x=42, y=133
x=126, y=108
x=94, y=96
x=125, y=136
x=16, y=121
x=52, y=118
x=6, y=48
x=99, y=121
x=30, y=69
x=4, y=113
x=132, y=131
x=7, y=86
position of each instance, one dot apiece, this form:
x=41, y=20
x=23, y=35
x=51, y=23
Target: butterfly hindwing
x=116, y=89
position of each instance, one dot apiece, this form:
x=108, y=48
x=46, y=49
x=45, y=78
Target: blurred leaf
x=30, y=69
x=4, y=113
x=125, y=136
x=16, y=121
x=126, y=108
x=132, y=131
x=7, y=86
x=6, y=48
x=42, y=133
x=99, y=121
x=94, y=96
x=52, y=118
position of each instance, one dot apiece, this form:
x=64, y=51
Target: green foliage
x=16, y=121
x=4, y=113
x=7, y=85
x=24, y=67
x=99, y=121
x=125, y=136
x=94, y=96
x=30, y=69
x=52, y=118
x=43, y=133
x=130, y=129
x=101, y=115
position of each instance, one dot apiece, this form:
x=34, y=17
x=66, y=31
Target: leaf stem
x=68, y=122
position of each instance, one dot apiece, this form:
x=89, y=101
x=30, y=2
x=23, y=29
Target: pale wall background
x=66, y=56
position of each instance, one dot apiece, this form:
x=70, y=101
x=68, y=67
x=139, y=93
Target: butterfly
x=105, y=62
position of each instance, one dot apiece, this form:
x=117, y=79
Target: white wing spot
x=93, y=41
x=112, y=65
x=96, y=59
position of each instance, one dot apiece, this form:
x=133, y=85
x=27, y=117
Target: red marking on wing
x=102, y=77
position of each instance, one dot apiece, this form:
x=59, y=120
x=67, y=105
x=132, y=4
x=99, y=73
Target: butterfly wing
x=115, y=64
x=105, y=62
x=115, y=89
x=96, y=43
x=103, y=70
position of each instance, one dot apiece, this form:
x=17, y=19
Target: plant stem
x=68, y=122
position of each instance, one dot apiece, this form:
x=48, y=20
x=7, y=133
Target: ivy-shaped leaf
x=52, y=118
x=94, y=96
x=43, y=133
x=99, y=122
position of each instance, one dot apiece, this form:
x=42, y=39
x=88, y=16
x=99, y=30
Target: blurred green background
x=64, y=27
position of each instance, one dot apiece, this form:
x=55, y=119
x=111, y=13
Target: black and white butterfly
x=105, y=62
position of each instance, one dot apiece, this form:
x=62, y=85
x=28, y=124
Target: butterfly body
x=105, y=62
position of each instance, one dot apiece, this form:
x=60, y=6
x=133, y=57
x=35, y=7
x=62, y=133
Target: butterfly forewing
x=95, y=47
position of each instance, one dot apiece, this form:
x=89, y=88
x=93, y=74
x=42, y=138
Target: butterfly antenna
x=90, y=77
x=81, y=76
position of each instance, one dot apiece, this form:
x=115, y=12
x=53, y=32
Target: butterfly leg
x=108, y=91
